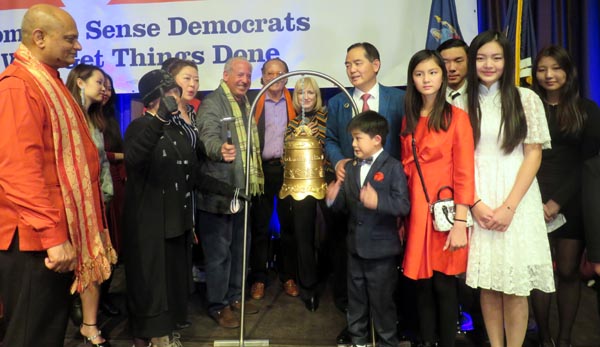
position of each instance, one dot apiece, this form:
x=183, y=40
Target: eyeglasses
x=273, y=74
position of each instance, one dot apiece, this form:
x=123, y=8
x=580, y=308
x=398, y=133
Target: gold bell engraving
x=303, y=161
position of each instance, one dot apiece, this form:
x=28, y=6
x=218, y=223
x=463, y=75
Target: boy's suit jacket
x=373, y=234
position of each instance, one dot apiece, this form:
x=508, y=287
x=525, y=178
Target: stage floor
x=284, y=321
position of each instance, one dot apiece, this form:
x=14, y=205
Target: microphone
x=226, y=121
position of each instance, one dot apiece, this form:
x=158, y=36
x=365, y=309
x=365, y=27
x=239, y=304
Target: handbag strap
x=414, y=150
x=444, y=188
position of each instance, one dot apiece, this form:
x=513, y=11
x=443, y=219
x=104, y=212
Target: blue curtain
x=571, y=24
x=491, y=14
x=526, y=52
x=590, y=66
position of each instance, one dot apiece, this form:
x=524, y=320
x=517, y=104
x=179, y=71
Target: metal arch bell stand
x=248, y=343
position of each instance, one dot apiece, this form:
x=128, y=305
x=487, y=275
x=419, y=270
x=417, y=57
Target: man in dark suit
x=374, y=194
x=362, y=66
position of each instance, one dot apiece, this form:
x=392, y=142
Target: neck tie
x=364, y=98
x=368, y=160
x=454, y=94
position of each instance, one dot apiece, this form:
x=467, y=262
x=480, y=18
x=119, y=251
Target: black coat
x=162, y=173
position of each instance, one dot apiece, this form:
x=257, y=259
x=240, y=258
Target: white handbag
x=442, y=210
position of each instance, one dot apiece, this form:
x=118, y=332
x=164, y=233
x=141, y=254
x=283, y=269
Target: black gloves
x=167, y=106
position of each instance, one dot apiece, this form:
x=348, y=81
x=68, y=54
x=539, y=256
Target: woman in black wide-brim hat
x=161, y=156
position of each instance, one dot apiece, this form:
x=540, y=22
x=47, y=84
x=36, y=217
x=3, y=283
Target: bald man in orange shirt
x=48, y=172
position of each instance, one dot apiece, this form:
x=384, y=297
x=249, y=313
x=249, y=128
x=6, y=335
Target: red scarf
x=89, y=238
x=260, y=106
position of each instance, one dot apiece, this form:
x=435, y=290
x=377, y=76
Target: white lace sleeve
x=537, y=125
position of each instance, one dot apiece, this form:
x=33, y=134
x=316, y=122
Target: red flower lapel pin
x=378, y=177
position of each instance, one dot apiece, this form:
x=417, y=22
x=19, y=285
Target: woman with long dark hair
x=560, y=182
x=86, y=84
x=443, y=140
x=509, y=253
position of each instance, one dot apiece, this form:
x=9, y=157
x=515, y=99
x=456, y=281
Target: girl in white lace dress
x=509, y=253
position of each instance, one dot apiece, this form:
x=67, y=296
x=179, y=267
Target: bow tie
x=368, y=161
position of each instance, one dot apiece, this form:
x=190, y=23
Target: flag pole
x=518, y=28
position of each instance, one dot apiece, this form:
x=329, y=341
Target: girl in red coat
x=443, y=138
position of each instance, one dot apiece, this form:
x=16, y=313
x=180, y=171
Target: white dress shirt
x=373, y=100
x=364, y=168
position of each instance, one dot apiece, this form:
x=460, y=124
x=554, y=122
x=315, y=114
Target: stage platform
x=284, y=321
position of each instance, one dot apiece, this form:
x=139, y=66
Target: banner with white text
x=128, y=38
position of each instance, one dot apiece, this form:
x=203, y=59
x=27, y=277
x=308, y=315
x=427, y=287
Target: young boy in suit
x=374, y=194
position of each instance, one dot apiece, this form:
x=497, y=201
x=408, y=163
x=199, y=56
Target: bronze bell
x=303, y=161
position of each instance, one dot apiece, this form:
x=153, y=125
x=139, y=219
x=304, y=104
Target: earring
x=82, y=95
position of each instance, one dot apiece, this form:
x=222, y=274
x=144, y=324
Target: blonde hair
x=309, y=82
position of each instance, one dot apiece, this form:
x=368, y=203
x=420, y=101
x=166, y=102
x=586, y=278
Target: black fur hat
x=154, y=84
